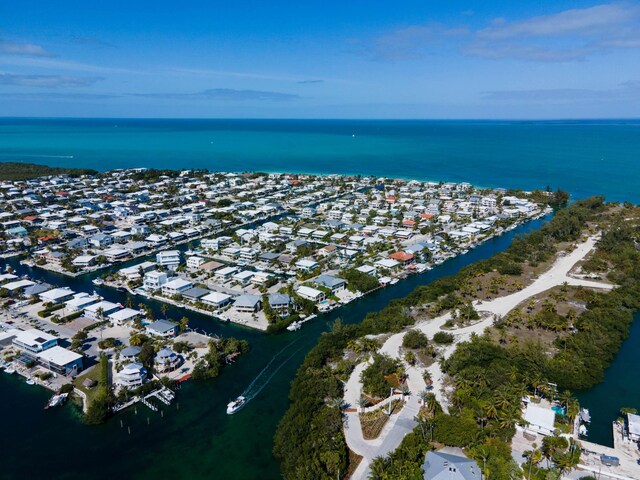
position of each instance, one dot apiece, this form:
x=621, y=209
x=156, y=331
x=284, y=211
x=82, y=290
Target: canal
x=193, y=438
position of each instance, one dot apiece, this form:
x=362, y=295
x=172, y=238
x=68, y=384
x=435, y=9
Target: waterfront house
x=335, y=284
x=166, y=361
x=195, y=293
x=18, y=287
x=175, y=287
x=84, y=261
x=633, y=425
x=216, y=299
x=34, y=341
x=154, y=280
x=445, y=466
x=403, y=258
x=280, y=302
x=116, y=254
x=60, y=360
x=539, y=419
x=132, y=375
x=162, y=328
x=311, y=293
x=248, y=303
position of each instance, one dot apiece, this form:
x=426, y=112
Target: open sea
x=582, y=157
x=195, y=438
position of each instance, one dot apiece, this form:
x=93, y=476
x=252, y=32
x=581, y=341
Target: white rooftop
x=124, y=314
x=59, y=356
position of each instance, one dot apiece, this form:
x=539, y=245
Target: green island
x=558, y=340
x=12, y=171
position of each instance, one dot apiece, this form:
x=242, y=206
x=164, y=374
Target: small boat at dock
x=294, y=326
x=56, y=401
x=97, y=281
x=237, y=404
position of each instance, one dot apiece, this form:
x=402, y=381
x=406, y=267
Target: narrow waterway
x=193, y=438
x=619, y=389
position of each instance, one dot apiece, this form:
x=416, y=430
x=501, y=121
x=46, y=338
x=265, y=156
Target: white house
x=169, y=259
x=132, y=375
x=216, y=299
x=175, y=287
x=311, y=293
x=154, y=280
x=194, y=262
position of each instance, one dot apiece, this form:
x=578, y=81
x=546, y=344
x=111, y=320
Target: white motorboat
x=582, y=430
x=97, y=281
x=31, y=381
x=294, y=326
x=10, y=370
x=56, y=400
x=237, y=404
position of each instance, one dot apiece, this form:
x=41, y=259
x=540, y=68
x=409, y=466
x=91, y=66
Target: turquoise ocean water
x=199, y=440
x=585, y=158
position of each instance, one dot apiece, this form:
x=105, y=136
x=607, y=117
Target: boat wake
x=268, y=372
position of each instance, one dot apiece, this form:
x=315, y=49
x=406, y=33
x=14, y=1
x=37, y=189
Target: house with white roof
x=311, y=293
x=60, y=360
x=124, y=315
x=169, y=259
x=176, y=287
x=107, y=308
x=216, y=299
x=154, y=280
x=34, y=341
x=80, y=301
x=57, y=295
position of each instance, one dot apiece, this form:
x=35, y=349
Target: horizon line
x=381, y=119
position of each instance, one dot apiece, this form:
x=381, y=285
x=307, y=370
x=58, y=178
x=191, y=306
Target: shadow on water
x=194, y=438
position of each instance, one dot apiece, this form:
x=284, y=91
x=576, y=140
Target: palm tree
x=378, y=469
x=164, y=308
x=355, y=346
x=565, y=397
x=336, y=403
x=362, y=402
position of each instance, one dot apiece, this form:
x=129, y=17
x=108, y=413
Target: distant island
x=12, y=171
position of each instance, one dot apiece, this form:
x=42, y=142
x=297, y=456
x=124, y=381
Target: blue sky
x=320, y=59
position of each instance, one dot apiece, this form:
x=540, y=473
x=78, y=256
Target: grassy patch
x=372, y=423
x=354, y=461
x=93, y=373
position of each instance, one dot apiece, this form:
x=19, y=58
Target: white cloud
x=46, y=81
x=26, y=49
